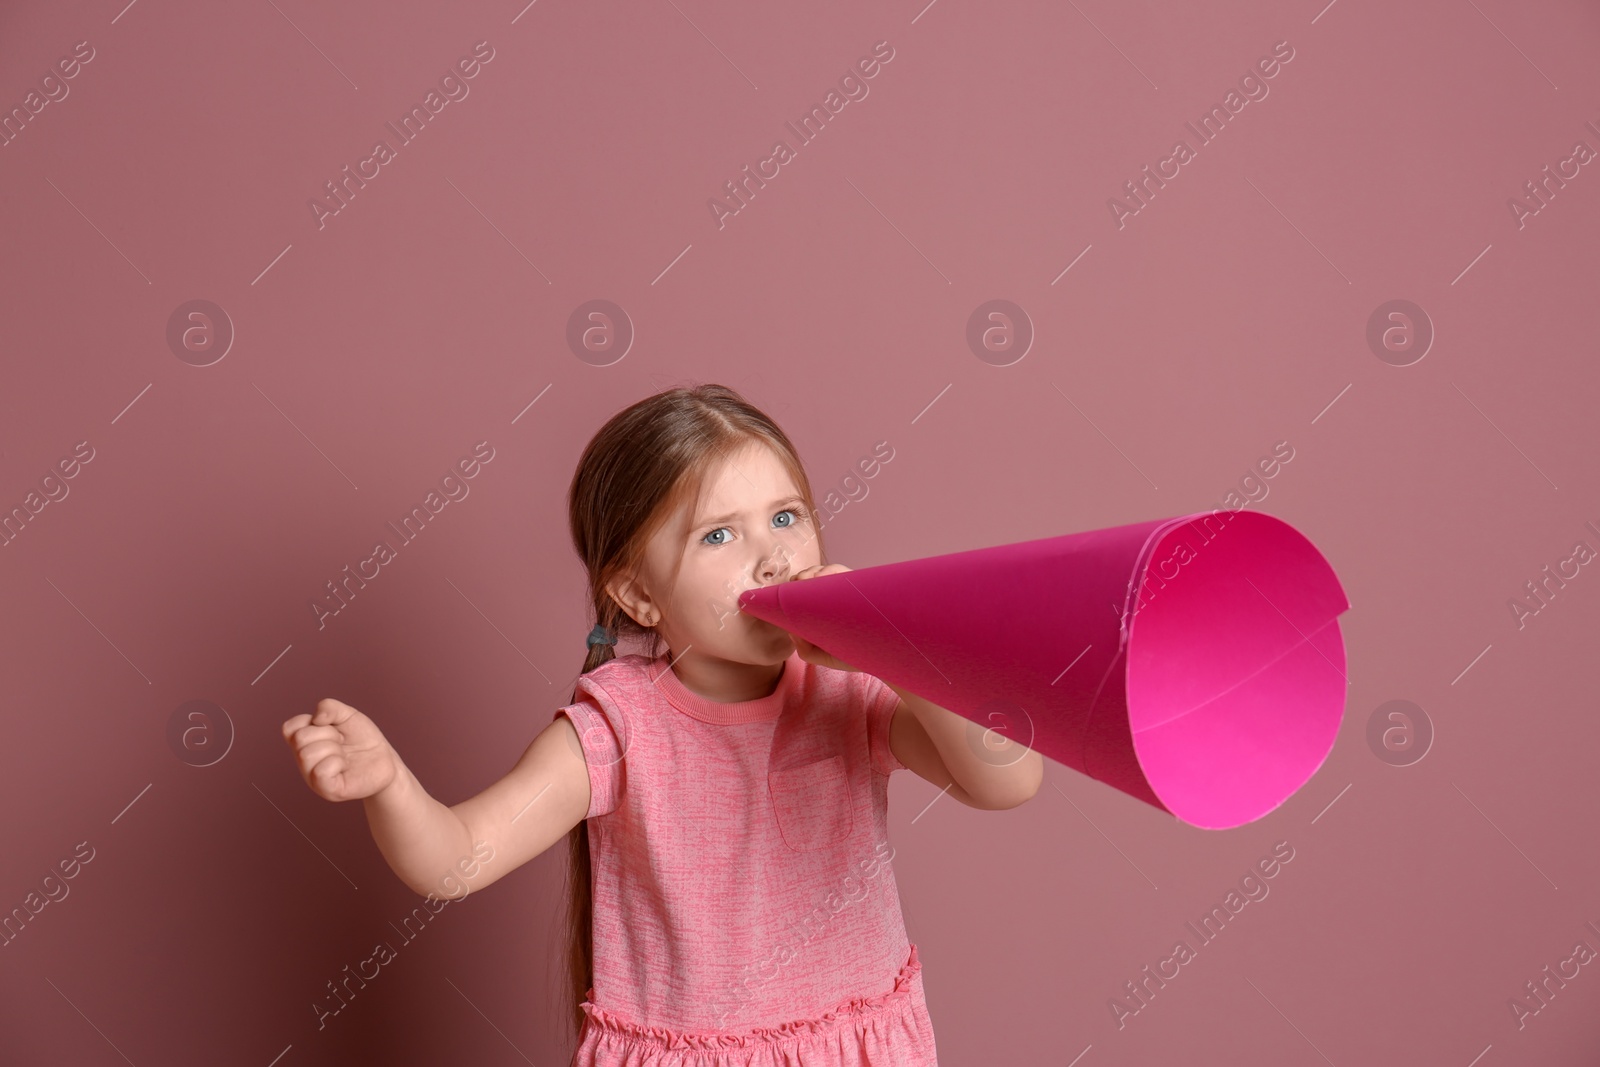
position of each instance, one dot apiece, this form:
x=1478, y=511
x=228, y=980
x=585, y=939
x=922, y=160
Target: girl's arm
x=451, y=851
x=933, y=743
x=434, y=849
x=419, y=837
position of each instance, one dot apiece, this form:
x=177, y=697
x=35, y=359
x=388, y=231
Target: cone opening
x=1236, y=667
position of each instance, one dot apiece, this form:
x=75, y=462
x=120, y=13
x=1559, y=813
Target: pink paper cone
x=1195, y=663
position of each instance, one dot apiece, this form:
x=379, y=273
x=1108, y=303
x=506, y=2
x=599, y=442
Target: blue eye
x=798, y=513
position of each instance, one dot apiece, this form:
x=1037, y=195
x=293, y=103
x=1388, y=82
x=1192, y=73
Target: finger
x=327, y=777
x=331, y=712
x=307, y=734
x=811, y=653
x=309, y=772
x=292, y=724
x=318, y=751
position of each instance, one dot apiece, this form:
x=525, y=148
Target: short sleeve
x=602, y=752
x=880, y=701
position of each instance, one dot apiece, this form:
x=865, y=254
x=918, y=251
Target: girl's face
x=751, y=529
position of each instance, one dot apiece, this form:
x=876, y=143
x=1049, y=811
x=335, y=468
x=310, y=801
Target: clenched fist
x=341, y=753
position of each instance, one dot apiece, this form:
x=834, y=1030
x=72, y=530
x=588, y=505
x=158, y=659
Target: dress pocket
x=812, y=804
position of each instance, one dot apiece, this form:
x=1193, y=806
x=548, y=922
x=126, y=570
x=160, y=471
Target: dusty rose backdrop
x=240, y=346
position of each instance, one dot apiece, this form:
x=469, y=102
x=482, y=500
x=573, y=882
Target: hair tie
x=601, y=636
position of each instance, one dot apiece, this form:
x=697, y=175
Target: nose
x=774, y=566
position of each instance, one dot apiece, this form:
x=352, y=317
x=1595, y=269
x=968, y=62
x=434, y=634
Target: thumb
x=812, y=654
x=331, y=712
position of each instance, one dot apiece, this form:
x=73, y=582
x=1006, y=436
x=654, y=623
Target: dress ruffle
x=887, y=1028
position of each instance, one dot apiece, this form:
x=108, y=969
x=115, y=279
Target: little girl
x=724, y=793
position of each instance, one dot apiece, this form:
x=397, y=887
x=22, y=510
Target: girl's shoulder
x=633, y=665
x=620, y=679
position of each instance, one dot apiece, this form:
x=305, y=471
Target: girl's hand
x=341, y=753
x=809, y=652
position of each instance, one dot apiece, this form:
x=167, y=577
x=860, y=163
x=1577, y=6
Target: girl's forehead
x=755, y=471
x=739, y=496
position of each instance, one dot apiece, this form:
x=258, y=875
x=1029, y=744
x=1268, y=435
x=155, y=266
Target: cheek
x=811, y=552
x=716, y=582
x=803, y=548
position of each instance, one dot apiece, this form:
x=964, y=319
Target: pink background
x=372, y=353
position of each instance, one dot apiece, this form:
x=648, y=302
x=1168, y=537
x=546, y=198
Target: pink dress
x=745, y=907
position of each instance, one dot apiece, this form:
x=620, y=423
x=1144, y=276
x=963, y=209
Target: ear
x=632, y=598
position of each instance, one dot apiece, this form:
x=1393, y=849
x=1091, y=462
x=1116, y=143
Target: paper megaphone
x=1195, y=662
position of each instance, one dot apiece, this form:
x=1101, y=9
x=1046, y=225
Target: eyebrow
x=796, y=499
